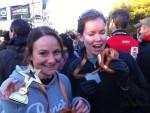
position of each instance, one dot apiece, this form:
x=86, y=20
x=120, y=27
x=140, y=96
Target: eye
x=44, y=53
x=91, y=34
x=102, y=32
x=57, y=52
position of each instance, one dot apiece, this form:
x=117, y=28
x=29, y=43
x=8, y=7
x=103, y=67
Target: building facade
x=30, y=10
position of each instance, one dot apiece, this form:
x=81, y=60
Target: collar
x=119, y=32
x=146, y=38
x=18, y=41
x=47, y=81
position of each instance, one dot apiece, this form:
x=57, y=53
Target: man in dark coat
x=14, y=52
x=144, y=54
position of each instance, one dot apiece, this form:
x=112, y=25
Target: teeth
x=96, y=46
x=48, y=66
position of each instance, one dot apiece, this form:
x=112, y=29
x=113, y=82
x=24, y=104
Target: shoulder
x=124, y=55
x=65, y=82
x=70, y=65
x=146, y=48
x=14, y=76
x=111, y=38
x=9, y=50
x=144, y=53
x=3, y=52
x=63, y=78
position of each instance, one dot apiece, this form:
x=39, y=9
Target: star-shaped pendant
x=30, y=75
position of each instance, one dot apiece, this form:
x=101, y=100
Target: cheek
x=58, y=58
x=142, y=31
x=88, y=40
x=37, y=61
x=104, y=38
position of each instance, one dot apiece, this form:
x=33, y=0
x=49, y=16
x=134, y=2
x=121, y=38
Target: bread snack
x=105, y=57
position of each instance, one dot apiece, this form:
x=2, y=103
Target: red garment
x=124, y=43
x=146, y=38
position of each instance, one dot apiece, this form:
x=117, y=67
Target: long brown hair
x=34, y=35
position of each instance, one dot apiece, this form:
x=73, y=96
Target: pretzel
x=66, y=110
x=105, y=57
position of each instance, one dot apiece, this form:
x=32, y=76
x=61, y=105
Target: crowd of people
x=42, y=71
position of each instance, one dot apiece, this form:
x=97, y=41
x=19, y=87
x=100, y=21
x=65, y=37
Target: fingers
x=11, y=84
x=114, y=53
x=86, y=109
x=106, y=56
x=8, y=90
x=99, y=58
x=81, y=107
x=4, y=95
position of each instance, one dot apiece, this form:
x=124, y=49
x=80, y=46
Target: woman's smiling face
x=46, y=55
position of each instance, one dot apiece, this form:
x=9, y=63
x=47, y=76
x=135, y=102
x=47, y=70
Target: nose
x=51, y=59
x=97, y=37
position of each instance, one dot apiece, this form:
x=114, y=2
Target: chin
x=49, y=73
x=52, y=72
x=97, y=52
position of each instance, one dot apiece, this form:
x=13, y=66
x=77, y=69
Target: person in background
x=14, y=52
x=53, y=94
x=136, y=34
x=144, y=54
x=1, y=40
x=68, y=45
x=120, y=39
x=68, y=49
x=4, y=44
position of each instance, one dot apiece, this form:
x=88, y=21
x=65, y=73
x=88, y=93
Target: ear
x=146, y=29
x=30, y=58
x=14, y=34
x=80, y=37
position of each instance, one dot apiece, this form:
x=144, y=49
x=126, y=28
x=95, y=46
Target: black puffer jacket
x=144, y=60
x=106, y=99
x=11, y=56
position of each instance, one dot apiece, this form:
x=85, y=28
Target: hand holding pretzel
x=81, y=107
x=105, y=58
